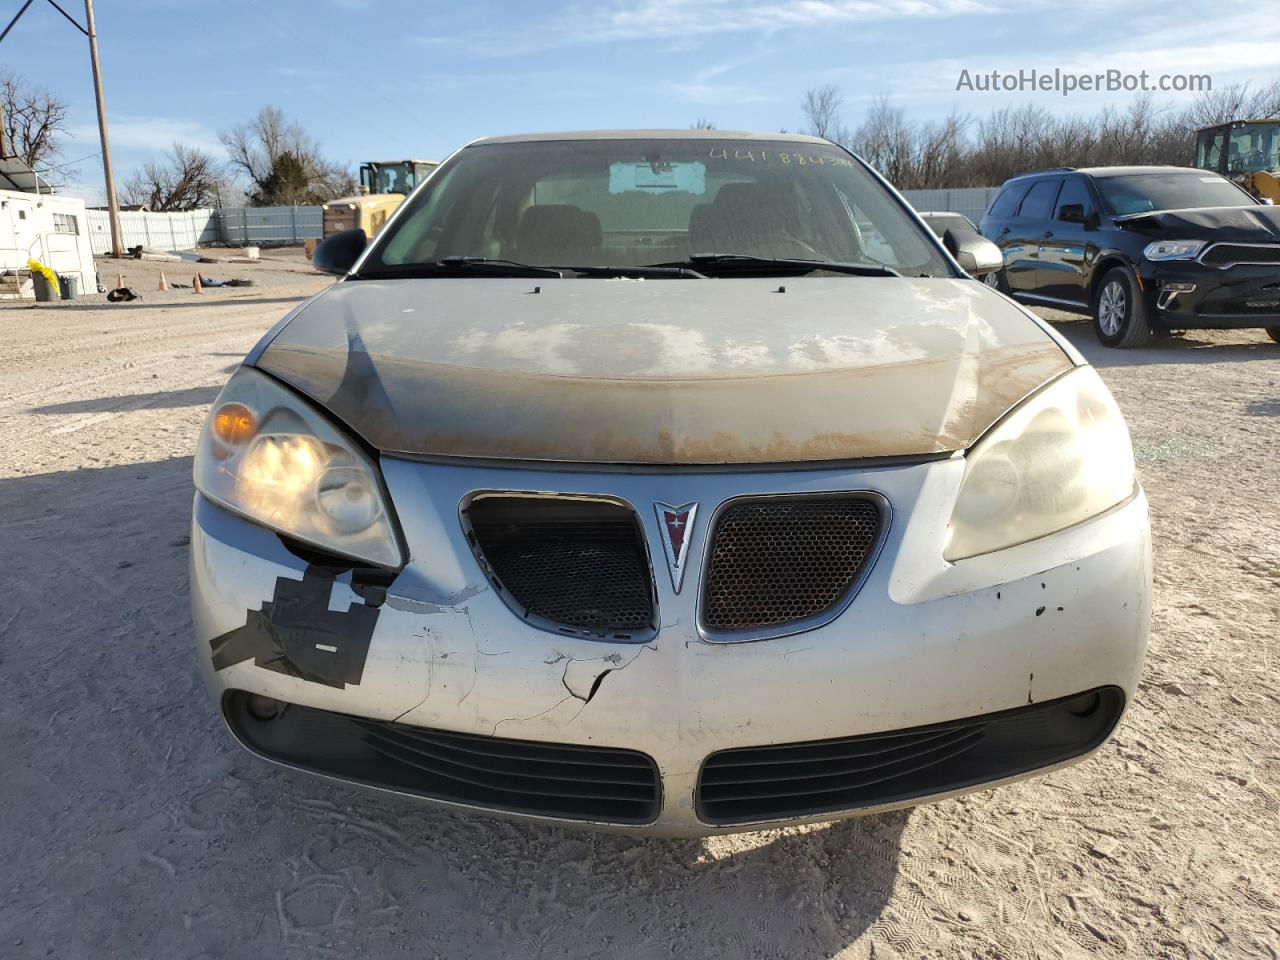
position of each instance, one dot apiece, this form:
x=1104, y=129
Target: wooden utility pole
x=113, y=207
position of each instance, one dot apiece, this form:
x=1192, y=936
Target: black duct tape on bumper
x=295, y=633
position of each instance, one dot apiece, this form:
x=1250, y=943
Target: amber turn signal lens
x=233, y=423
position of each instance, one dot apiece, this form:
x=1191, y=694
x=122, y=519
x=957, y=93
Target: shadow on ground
x=190, y=397
x=146, y=832
x=141, y=303
x=1191, y=347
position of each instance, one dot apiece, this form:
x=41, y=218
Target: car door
x=24, y=230
x=1022, y=249
x=1064, y=244
x=996, y=225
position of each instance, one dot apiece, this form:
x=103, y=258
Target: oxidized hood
x=665, y=371
x=1258, y=224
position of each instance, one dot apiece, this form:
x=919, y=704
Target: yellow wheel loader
x=383, y=187
x=1246, y=151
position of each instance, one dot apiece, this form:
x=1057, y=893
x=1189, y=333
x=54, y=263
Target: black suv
x=1141, y=249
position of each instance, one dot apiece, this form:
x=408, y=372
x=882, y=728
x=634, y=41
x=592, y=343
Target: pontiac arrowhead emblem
x=676, y=524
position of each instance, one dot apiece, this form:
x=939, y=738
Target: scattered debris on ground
x=137, y=828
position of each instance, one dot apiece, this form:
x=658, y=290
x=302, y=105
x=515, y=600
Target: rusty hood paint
x=665, y=371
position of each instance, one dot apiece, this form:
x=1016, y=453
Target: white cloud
x=149, y=133
x=680, y=21
x=94, y=195
x=1231, y=47
x=718, y=93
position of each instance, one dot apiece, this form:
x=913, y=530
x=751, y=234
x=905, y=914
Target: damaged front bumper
x=943, y=677
x=1187, y=295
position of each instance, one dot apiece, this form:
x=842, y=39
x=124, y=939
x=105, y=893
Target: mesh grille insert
x=1224, y=253
x=580, y=564
x=779, y=561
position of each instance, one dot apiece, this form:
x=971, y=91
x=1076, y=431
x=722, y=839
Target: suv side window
x=1008, y=201
x=1038, y=204
x=1074, y=191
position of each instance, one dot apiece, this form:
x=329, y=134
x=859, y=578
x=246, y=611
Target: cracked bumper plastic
x=924, y=641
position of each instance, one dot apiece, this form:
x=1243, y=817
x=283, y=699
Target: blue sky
x=383, y=79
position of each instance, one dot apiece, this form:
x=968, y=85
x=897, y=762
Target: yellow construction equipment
x=383, y=186
x=1246, y=151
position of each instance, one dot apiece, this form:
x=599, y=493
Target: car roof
x=681, y=134
x=1101, y=173
x=940, y=213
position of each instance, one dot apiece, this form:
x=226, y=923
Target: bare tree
x=821, y=108
x=282, y=164
x=34, y=119
x=959, y=151
x=702, y=123
x=187, y=179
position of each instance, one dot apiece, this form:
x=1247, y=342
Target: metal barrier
x=262, y=226
x=240, y=226
x=970, y=201
x=265, y=225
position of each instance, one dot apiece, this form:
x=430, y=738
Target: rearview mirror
x=338, y=253
x=976, y=255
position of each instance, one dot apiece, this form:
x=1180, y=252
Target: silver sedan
x=672, y=482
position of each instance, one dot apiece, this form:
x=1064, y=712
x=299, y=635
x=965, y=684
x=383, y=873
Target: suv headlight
x=269, y=456
x=1173, y=249
x=1060, y=458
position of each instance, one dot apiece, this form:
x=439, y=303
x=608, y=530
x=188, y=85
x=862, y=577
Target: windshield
x=630, y=203
x=1142, y=192
x=395, y=178
x=1253, y=147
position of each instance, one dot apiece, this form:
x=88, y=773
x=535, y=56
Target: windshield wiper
x=649, y=270
x=712, y=263
x=459, y=267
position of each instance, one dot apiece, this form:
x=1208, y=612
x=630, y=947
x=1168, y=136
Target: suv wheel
x=1274, y=333
x=1119, y=312
x=995, y=280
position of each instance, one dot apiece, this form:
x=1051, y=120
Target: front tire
x=996, y=281
x=1119, y=311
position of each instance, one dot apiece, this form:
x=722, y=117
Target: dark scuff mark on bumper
x=295, y=633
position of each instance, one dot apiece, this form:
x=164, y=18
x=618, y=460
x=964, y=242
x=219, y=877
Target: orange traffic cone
x=196, y=285
x=119, y=280
x=164, y=284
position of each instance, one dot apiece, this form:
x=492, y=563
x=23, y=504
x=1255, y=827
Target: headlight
x=1060, y=458
x=269, y=456
x=1173, y=249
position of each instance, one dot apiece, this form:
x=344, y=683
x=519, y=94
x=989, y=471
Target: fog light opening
x=1085, y=705
x=263, y=708
x=1169, y=292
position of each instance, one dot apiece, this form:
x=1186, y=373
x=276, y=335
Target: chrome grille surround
x=1226, y=255
x=596, y=583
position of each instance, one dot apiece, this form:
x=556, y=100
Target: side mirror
x=1074, y=213
x=976, y=255
x=338, y=253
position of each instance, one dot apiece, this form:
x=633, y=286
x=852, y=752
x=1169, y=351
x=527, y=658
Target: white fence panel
x=154, y=231
x=970, y=201
x=243, y=226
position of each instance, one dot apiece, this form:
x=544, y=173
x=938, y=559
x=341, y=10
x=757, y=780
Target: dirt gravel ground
x=132, y=827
